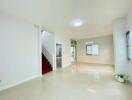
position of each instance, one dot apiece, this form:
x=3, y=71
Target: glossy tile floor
x=76, y=82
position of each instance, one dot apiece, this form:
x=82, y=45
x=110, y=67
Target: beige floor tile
x=79, y=81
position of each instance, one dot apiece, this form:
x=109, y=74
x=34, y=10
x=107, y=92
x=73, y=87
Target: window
x=129, y=45
x=92, y=49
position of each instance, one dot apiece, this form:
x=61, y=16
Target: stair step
x=46, y=70
x=46, y=66
x=43, y=66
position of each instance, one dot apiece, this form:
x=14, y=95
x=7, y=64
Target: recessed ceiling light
x=77, y=23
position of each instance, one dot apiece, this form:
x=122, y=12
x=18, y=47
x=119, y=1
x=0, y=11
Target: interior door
x=59, y=55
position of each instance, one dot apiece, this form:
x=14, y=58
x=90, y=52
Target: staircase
x=46, y=66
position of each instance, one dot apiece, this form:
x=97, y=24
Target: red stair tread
x=46, y=66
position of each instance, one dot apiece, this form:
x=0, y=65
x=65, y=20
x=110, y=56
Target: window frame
x=129, y=45
x=91, y=51
x=87, y=50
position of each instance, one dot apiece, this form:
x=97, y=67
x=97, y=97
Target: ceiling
x=57, y=15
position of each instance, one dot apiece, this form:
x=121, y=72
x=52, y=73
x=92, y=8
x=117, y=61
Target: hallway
x=77, y=82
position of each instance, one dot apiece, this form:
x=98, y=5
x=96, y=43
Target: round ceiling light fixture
x=77, y=22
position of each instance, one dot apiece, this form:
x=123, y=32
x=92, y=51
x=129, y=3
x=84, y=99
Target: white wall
x=19, y=51
x=121, y=26
x=120, y=45
x=129, y=27
x=106, y=50
x=64, y=39
x=48, y=40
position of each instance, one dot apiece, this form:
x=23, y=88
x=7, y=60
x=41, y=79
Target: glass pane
x=89, y=49
x=95, y=50
x=92, y=49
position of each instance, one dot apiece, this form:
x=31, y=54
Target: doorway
x=73, y=54
x=47, y=51
x=58, y=55
x=73, y=51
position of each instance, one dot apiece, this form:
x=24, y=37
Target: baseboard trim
x=18, y=83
